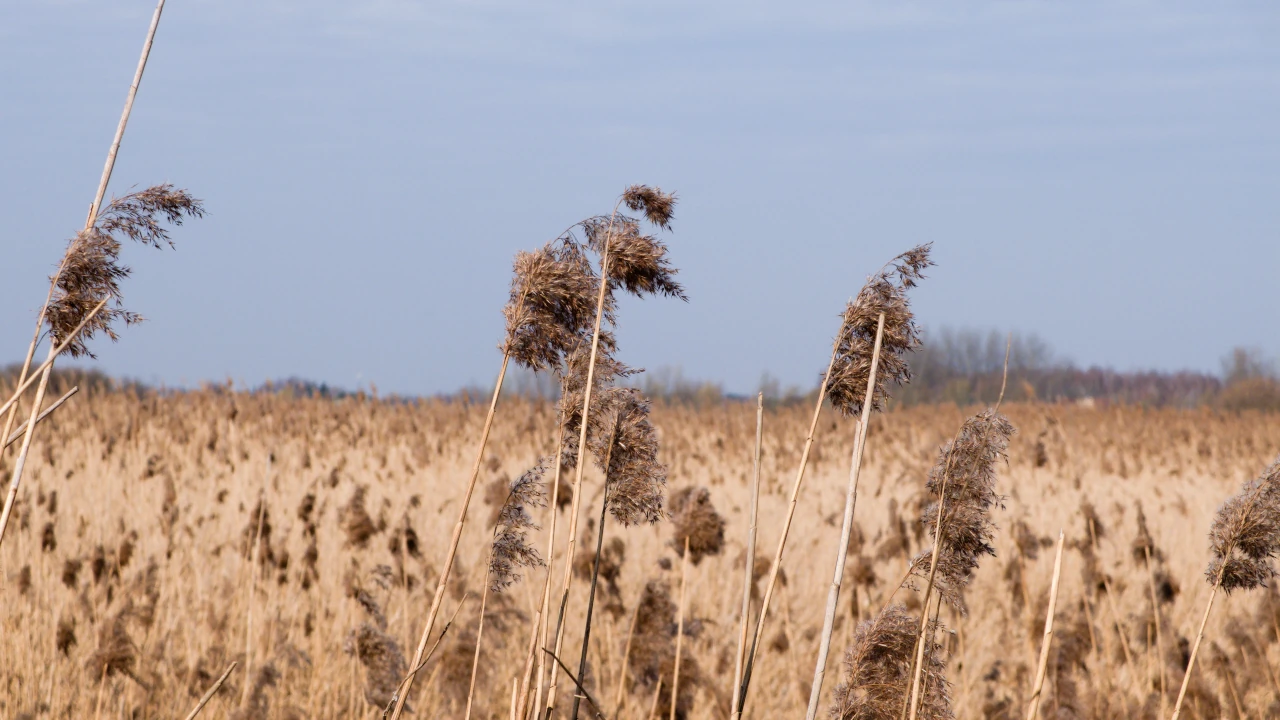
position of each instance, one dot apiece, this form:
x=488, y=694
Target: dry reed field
x=130, y=579
x=273, y=555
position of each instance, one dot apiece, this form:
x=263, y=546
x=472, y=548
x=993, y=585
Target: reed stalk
x=454, y=540
x=22, y=429
x=1033, y=709
x=551, y=557
x=213, y=690
x=475, y=661
x=735, y=711
x=620, y=697
x=675, y=672
x=851, y=498
x=1155, y=617
x=782, y=540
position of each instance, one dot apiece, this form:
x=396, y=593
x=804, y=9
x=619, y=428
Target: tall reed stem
x=1033, y=710
x=846, y=528
x=213, y=690
x=591, y=597
x=675, y=672
x=1155, y=616
x=735, y=711
x=546, y=580
x=453, y=541
x=475, y=661
x=782, y=540
x=1195, y=647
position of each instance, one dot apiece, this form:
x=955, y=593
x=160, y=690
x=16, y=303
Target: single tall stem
x=1042, y=667
x=1195, y=647
x=846, y=528
x=453, y=542
x=546, y=580
x=591, y=597
x=475, y=661
x=786, y=530
x=735, y=712
x=1155, y=615
x=675, y=673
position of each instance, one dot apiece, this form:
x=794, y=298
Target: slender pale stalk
x=53, y=353
x=253, y=585
x=213, y=690
x=1155, y=614
x=515, y=688
x=735, y=712
x=1195, y=647
x=22, y=429
x=581, y=464
x=675, y=673
x=21, y=462
x=551, y=557
x=31, y=350
x=1033, y=710
x=913, y=702
x=518, y=712
x=456, y=538
x=475, y=661
x=626, y=657
x=653, y=706
x=595, y=577
x=846, y=528
x=786, y=531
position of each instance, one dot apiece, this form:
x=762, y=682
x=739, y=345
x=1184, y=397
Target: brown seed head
x=511, y=549
x=382, y=658
x=693, y=518
x=657, y=206
x=636, y=262
x=628, y=443
x=92, y=269
x=1245, y=535
x=885, y=292
x=878, y=670
x=552, y=304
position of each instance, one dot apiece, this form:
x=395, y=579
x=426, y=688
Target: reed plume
x=1243, y=539
x=962, y=483
x=853, y=378
x=545, y=315
x=878, y=670
x=698, y=532
x=382, y=659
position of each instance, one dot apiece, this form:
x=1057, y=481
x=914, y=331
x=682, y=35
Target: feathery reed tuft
x=658, y=207
x=511, y=548
x=878, y=670
x=626, y=449
x=92, y=271
x=963, y=480
x=1245, y=534
x=885, y=292
x=551, y=305
x=384, y=662
x=695, y=519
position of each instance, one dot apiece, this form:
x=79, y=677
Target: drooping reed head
x=964, y=481
x=573, y=387
x=625, y=446
x=694, y=518
x=658, y=207
x=878, y=670
x=92, y=271
x=635, y=261
x=885, y=292
x=1245, y=535
x=552, y=304
x=511, y=548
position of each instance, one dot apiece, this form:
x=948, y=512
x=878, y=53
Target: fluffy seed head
x=885, y=292
x=878, y=670
x=381, y=657
x=625, y=446
x=1245, y=535
x=657, y=206
x=91, y=268
x=637, y=263
x=694, y=519
x=511, y=549
x=964, y=481
x=552, y=304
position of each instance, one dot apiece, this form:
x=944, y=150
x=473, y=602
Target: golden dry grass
x=132, y=588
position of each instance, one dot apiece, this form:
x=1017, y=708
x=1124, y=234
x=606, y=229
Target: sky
x=1101, y=174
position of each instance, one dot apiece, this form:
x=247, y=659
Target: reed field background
x=134, y=535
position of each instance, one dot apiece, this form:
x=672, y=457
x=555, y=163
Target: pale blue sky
x=1103, y=174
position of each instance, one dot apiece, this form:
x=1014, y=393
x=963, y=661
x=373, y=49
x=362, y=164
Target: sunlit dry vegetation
x=129, y=571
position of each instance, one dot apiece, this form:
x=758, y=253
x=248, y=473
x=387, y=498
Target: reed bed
x=128, y=571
